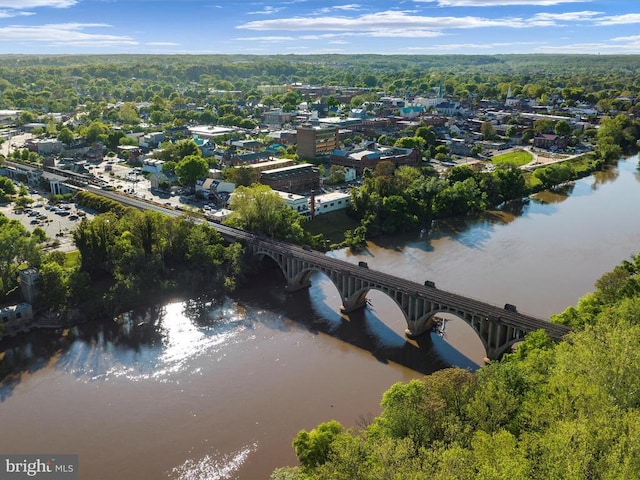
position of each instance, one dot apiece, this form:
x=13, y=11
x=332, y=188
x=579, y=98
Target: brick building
x=299, y=179
x=316, y=140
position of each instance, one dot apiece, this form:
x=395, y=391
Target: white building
x=16, y=318
x=211, y=187
x=219, y=215
x=152, y=165
x=330, y=202
x=210, y=131
x=151, y=140
x=299, y=203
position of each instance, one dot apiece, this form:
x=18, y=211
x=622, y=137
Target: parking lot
x=119, y=176
x=57, y=222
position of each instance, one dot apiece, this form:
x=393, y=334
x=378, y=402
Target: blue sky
x=312, y=27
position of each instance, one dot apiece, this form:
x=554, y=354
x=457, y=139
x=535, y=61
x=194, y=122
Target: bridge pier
x=294, y=286
x=412, y=332
x=351, y=305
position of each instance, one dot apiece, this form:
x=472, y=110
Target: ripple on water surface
x=178, y=337
x=212, y=467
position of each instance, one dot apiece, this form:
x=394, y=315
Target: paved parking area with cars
x=57, y=221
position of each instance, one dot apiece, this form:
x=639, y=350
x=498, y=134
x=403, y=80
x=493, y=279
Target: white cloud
x=162, y=44
x=586, y=15
x=26, y=4
x=499, y=3
x=556, y=19
x=352, y=6
x=470, y=46
x=265, y=39
x=404, y=34
x=11, y=14
x=266, y=11
x=341, y=8
x=619, y=19
x=63, y=34
x=380, y=21
x=592, y=48
x=632, y=38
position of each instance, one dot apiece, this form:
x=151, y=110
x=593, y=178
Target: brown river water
x=217, y=390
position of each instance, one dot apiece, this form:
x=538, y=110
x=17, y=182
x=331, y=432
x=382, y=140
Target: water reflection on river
x=213, y=390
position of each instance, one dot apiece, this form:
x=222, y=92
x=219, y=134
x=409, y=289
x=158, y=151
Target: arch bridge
x=499, y=328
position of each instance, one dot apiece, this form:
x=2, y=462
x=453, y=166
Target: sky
x=317, y=27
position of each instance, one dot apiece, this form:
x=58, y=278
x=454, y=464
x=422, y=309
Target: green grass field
x=332, y=225
x=517, y=158
x=71, y=259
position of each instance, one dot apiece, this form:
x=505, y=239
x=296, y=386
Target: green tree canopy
x=241, y=176
x=562, y=128
x=259, y=209
x=65, y=135
x=190, y=169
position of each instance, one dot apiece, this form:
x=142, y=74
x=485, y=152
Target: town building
x=369, y=157
x=206, y=145
x=272, y=89
x=550, y=141
x=329, y=202
x=210, y=131
x=16, y=318
x=286, y=137
x=211, y=188
x=276, y=118
x=47, y=146
x=152, y=165
x=9, y=117
x=157, y=178
x=151, y=140
x=299, y=203
x=314, y=141
x=246, y=158
x=271, y=164
x=301, y=178
x=29, y=278
x=252, y=145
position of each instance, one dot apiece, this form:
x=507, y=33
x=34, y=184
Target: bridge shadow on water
x=317, y=310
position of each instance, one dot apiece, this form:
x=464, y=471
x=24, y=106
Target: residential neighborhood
x=339, y=136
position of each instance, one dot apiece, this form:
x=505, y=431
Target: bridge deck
x=516, y=319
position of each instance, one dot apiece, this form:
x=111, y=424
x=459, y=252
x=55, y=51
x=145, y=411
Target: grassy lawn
x=331, y=225
x=517, y=158
x=72, y=258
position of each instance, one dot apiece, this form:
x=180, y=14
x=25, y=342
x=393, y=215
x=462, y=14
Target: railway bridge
x=498, y=327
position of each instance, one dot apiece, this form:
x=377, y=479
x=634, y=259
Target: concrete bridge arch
x=497, y=327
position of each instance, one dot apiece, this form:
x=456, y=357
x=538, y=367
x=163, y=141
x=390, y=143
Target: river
x=204, y=389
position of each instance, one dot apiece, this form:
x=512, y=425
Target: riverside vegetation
x=569, y=410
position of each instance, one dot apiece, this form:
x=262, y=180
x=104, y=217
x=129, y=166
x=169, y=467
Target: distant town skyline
x=319, y=27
